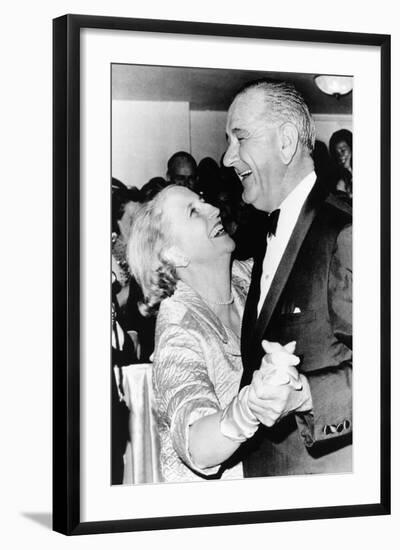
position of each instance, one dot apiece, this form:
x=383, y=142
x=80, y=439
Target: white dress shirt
x=276, y=244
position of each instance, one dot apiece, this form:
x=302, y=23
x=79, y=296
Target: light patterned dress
x=197, y=371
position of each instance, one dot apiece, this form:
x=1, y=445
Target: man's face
x=253, y=151
x=183, y=173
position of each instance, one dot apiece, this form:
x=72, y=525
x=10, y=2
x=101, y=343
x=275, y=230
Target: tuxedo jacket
x=309, y=301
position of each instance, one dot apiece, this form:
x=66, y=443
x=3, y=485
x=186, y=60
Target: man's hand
x=278, y=364
x=277, y=388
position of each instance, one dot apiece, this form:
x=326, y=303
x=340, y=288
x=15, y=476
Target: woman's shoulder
x=172, y=311
x=178, y=309
x=186, y=309
x=170, y=327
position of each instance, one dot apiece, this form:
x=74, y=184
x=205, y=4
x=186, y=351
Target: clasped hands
x=277, y=388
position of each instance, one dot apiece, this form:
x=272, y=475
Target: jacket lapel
x=250, y=311
x=306, y=217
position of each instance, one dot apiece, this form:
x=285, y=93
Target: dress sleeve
x=331, y=387
x=183, y=388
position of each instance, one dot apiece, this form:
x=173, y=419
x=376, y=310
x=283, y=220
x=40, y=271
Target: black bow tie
x=272, y=222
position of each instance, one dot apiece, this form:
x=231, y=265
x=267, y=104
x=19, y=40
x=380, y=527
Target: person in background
x=324, y=166
x=182, y=170
x=180, y=255
x=124, y=204
x=210, y=182
x=124, y=348
x=301, y=286
x=341, y=150
x=212, y=187
x=151, y=188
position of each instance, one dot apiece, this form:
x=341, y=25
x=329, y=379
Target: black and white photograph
x=231, y=269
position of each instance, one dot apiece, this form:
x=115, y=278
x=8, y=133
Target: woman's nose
x=212, y=211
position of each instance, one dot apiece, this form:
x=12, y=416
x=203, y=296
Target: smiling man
x=301, y=285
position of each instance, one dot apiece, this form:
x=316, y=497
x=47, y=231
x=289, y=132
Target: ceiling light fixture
x=334, y=84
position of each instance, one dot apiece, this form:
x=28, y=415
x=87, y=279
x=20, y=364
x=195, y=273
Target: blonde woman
x=180, y=255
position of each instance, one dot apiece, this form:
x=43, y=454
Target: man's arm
x=331, y=388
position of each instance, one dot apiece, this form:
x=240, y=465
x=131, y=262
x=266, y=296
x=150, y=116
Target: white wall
x=144, y=135
x=25, y=404
x=325, y=125
x=207, y=129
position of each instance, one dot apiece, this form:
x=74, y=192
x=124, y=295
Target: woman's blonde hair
x=147, y=256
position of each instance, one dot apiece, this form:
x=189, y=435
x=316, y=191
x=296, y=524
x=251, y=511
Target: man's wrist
x=307, y=404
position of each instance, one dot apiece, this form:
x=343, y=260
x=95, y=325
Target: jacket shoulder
x=339, y=207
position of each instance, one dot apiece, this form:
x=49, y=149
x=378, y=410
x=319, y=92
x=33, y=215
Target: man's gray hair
x=285, y=104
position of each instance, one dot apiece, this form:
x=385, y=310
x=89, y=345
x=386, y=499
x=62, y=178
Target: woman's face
x=195, y=226
x=343, y=154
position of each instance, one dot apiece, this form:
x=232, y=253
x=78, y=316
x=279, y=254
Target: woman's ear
x=289, y=140
x=176, y=257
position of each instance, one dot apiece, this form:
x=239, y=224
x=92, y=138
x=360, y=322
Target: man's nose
x=230, y=156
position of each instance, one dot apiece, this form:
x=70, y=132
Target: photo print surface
x=231, y=254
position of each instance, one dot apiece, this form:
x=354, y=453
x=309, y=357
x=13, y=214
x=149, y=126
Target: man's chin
x=251, y=200
x=246, y=197
x=256, y=202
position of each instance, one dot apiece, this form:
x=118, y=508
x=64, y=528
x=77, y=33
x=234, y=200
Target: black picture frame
x=66, y=273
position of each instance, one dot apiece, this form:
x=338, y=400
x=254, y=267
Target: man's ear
x=176, y=257
x=289, y=137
